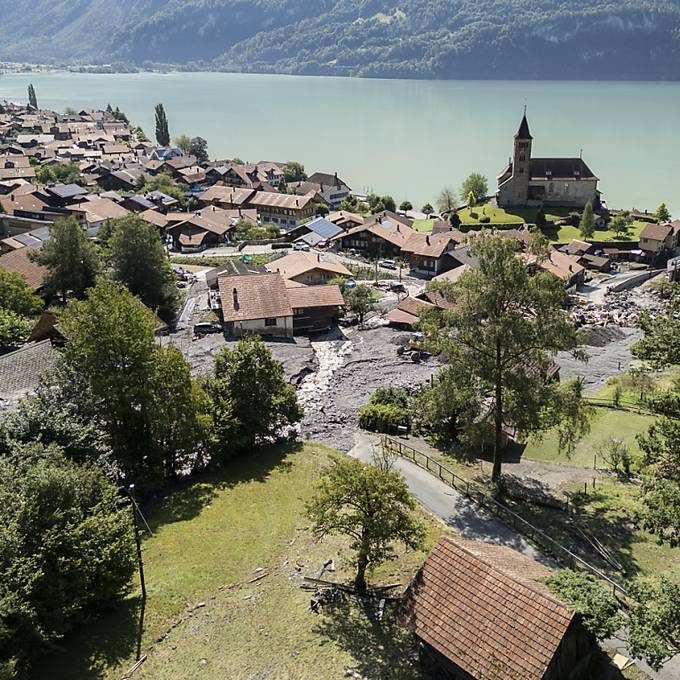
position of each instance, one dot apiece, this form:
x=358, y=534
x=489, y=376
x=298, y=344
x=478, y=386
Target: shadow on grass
x=185, y=499
x=110, y=638
x=381, y=650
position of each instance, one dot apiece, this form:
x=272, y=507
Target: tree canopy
x=372, y=507
x=474, y=184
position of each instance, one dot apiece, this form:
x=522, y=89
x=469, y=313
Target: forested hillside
x=409, y=38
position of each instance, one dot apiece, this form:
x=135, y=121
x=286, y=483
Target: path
x=460, y=513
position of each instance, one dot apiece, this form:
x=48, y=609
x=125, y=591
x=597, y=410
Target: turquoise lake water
x=405, y=137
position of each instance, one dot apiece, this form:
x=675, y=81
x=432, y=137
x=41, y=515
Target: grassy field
x=210, y=542
x=423, y=225
x=567, y=233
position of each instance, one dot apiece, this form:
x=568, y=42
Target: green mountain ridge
x=505, y=39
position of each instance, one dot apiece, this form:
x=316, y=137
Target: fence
x=474, y=492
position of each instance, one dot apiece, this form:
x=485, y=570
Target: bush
x=384, y=418
x=484, y=219
x=390, y=396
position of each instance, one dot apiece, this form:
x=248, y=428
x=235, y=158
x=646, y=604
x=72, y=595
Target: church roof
x=523, y=132
x=559, y=168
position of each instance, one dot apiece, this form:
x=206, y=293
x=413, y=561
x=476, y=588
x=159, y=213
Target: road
x=468, y=519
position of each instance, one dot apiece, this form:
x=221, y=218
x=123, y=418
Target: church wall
x=568, y=192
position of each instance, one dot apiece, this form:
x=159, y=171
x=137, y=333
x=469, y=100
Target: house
x=136, y=203
x=332, y=189
x=426, y=252
x=315, y=308
x=269, y=305
x=344, y=219
x=456, y=263
x=308, y=268
x=376, y=238
x=319, y=226
x=407, y=313
x=232, y=267
x=19, y=262
x=588, y=255
x=256, y=303
x=656, y=239
x=162, y=201
x=21, y=370
x=562, y=265
x=284, y=210
x=96, y=210
x=225, y=197
x=483, y=611
x=527, y=181
x=61, y=195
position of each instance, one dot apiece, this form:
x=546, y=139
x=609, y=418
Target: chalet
x=332, y=189
x=657, y=239
x=565, y=267
x=344, y=219
x=97, y=210
x=228, y=198
x=320, y=226
x=61, y=195
x=284, y=210
x=495, y=588
x=269, y=305
x=588, y=255
x=377, y=238
x=407, y=313
x=426, y=251
x=308, y=268
x=162, y=201
x=136, y=203
x=205, y=228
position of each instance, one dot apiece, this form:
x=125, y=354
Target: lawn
x=210, y=543
x=567, y=233
x=423, y=225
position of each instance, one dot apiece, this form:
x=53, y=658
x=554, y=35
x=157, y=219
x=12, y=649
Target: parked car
x=205, y=328
x=387, y=264
x=301, y=246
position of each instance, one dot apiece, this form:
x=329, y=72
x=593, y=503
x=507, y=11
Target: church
x=532, y=182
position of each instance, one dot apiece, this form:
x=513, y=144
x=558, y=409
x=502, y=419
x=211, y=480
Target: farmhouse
x=527, y=181
x=308, y=268
x=482, y=611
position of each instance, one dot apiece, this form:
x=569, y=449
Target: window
x=298, y=312
x=270, y=322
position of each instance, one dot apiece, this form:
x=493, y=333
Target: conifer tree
x=32, y=99
x=162, y=132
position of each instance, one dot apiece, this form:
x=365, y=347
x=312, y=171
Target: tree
x=14, y=328
x=67, y=548
x=619, y=225
x=446, y=201
x=360, y=301
x=321, y=209
x=445, y=409
x=71, y=259
x=59, y=173
x=502, y=336
x=251, y=401
x=17, y=296
x=471, y=200
x=32, y=99
x=662, y=215
x=540, y=218
x=294, y=172
x=162, y=132
x=198, y=147
x=372, y=507
x=660, y=346
x=587, y=225
x=406, y=206
x=475, y=184
x=139, y=260
x=427, y=209
x=651, y=615
x=183, y=142
x=388, y=203
x=454, y=220
x=617, y=454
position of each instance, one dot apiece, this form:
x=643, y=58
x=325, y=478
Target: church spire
x=523, y=132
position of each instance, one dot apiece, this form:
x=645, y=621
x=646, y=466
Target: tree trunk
x=360, y=579
x=498, y=419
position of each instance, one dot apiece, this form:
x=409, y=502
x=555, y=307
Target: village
x=343, y=290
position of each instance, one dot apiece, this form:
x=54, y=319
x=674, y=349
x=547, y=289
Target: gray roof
x=67, y=190
x=20, y=370
x=323, y=227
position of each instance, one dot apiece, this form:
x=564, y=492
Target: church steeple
x=523, y=132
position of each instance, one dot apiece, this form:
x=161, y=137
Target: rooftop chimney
x=337, y=184
x=427, y=239
x=235, y=294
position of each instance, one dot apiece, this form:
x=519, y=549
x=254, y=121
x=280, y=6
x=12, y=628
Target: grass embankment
x=210, y=261
x=208, y=544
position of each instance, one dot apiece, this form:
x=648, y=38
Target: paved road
x=473, y=522
x=468, y=519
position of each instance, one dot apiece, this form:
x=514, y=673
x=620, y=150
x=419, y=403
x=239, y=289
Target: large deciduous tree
x=71, y=259
x=474, y=184
x=162, y=130
x=17, y=296
x=446, y=201
x=372, y=507
x=139, y=260
x=251, y=400
x=502, y=337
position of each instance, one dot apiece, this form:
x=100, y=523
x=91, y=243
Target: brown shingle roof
x=481, y=606
x=657, y=232
x=259, y=296
x=298, y=263
x=431, y=245
x=18, y=262
x=301, y=297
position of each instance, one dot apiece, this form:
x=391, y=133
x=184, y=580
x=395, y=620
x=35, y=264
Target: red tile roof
x=481, y=606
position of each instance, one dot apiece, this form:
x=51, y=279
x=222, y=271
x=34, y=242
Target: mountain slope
x=410, y=38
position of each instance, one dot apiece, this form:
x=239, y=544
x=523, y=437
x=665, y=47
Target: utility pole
x=138, y=540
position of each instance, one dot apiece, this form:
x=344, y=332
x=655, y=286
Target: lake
x=408, y=138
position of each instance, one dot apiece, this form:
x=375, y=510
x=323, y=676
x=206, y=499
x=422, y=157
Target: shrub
x=390, y=396
x=384, y=417
x=484, y=219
